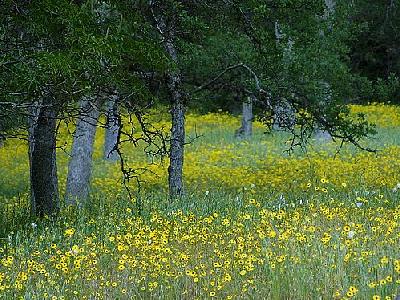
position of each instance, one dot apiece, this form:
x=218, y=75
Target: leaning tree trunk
x=112, y=129
x=246, y=129
x=42, y=160
x=80, y=164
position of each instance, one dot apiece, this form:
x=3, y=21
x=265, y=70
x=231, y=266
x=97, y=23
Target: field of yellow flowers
x=256, y=222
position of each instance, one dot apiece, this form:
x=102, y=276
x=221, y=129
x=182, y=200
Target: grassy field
x=256, y=222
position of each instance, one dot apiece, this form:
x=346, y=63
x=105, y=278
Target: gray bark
x=322, y=135
x=80, y=164
x=112, y=129
x=42, y=160
x=246, y=129
x=278, y=34
x=175, y=170
x=330, y=7
x=284, y=115
x=174, y=82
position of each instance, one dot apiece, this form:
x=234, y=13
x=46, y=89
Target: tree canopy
x=301, y=63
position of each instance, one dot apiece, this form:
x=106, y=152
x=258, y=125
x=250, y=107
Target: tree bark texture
x=330, y=7
x=174, y=83
x=246, y=129
x=175, y=170
x=112, y=129
x=322, y=135
x=177, y=144
x=284, y=115
x=80, y=164
x=42, y=159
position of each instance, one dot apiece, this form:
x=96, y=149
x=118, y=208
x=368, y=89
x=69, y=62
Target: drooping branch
x=155, y=143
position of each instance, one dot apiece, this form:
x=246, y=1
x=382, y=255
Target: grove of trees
x=294, y=64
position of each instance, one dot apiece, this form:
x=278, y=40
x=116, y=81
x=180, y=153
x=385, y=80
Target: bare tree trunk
x=246, y=129
x=174, y=82
x=42, y=160
x=330, y=8
x=175, y=170
x=321, y=135
x=284, y=114
x=112, y=129
x=80, y=164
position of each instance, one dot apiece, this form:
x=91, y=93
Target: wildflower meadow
x=256, y=221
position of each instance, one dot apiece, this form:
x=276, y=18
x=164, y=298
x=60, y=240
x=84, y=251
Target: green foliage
x=387, y=90
x=375, y=47
x=293, y=50
x=75, y=47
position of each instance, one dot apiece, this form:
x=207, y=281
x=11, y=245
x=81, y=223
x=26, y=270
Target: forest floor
x=256, y=222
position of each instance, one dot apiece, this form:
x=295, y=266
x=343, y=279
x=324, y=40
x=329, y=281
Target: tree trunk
x=329, y=8
x=42, y=160
x=80, y=164
x=175, y=169
x=284, y=115
x=174, y=83
x=322, y=135
x=112, y=129
x=246, y=130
